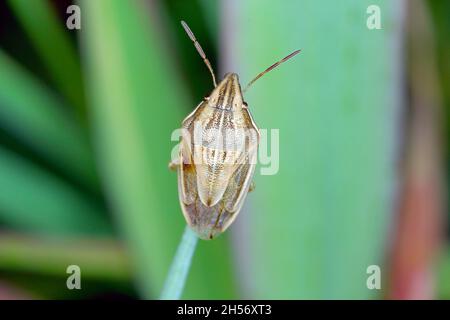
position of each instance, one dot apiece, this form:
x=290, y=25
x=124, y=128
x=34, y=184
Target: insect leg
x=173, y=165
x=252, y=186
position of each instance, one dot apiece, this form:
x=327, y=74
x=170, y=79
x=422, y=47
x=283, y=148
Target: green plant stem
x=173, y=287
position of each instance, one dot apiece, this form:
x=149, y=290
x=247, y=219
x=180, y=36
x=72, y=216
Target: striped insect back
x=218, y=152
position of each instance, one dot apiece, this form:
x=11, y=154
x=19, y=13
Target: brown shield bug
x=217, y=156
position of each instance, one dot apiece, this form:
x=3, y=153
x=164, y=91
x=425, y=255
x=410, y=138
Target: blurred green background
x=86, y=118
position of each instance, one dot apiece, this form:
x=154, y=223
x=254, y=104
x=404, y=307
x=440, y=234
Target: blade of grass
x=136, y=100
x=176, y=278
x=32, y=199
x=37, y=118
x=315, y=226
x=50, y=37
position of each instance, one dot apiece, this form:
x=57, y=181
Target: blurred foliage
x=85, y=122
x=33, y=199
x=41, y=23
x=35, y=116
x=137, y=100
x=47, y=257
x=336, y=179
x=440, y=10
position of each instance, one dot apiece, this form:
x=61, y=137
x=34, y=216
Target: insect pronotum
x=217, y=156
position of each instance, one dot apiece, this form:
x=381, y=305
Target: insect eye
x=245, y=104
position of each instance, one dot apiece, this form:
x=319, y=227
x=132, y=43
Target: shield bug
x=217, y=156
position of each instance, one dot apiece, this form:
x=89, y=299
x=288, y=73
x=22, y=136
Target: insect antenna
x=276, y=64
x=199, y=50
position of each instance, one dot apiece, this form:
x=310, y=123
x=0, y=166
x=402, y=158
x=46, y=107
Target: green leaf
x=314, y=227
x=137, y=100
x=99, y=259
x=51, y=38
x=34, y=200
x=32, y=114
